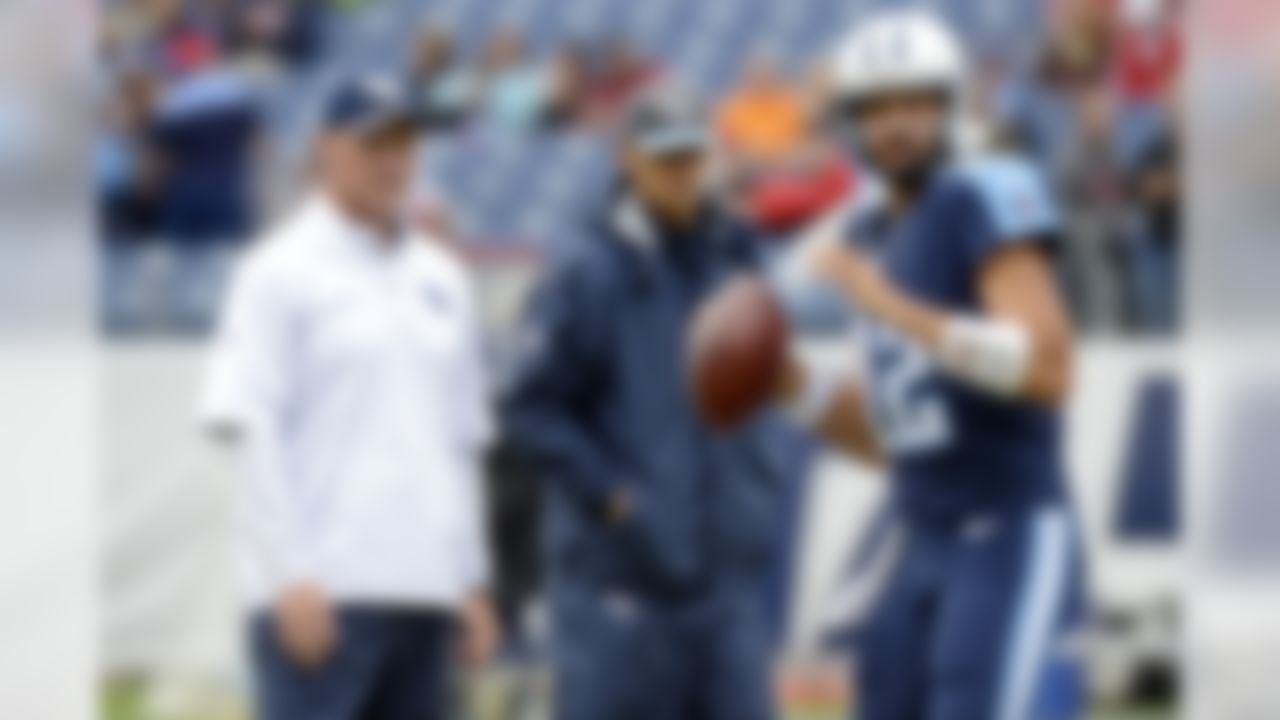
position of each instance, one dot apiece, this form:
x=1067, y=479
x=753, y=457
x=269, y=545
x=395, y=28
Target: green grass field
x=125, y=700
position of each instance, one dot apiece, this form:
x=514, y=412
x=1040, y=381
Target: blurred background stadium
x=205, y=110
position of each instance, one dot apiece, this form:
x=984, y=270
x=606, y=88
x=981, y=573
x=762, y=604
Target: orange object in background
x=763, y=124
x=764, y=117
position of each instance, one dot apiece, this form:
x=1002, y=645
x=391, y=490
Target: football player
x=974, y=564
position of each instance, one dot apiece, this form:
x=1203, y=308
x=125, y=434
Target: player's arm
x=1018, y=346
x=1018, y=289
x=830, y=404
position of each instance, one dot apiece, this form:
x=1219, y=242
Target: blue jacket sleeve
x=561, y=367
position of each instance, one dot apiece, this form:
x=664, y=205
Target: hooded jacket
x=599, y=404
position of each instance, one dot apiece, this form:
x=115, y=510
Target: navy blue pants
x=619, y=658
x=971, y=620
x=391, y=664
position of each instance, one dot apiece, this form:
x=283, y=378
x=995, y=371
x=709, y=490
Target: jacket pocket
x=651, y=542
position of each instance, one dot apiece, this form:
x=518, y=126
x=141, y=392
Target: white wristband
x=991, y=355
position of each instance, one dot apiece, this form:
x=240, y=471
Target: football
x=736, y=352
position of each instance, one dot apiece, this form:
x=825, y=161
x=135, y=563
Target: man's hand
x=306, y=625
x=480, y=631
x=855, y=274
x=619, y=509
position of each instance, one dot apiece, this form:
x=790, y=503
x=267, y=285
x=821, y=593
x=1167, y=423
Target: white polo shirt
x=350, y=374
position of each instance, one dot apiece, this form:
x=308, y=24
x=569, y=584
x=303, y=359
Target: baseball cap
x=368, y=103
x=664, y=119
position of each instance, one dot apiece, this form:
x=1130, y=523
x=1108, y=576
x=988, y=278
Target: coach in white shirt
x=347, y=374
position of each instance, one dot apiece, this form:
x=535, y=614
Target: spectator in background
x=445, y=92
x=763, y=119
x=786, y=192
x=1156, y=235
x=206, y=130
x=128, y=197
x=516, y=91
x=1046, y=109
x=567, y=101
x=126, y=163
x=1092, y=110
x=620, y=72
x=256, y=40
x=1064, y=113
x=213, y=65
x=302, y=41
x=281, y=33
x=1149, y=60
x=1148, y=50
x=1084, y=28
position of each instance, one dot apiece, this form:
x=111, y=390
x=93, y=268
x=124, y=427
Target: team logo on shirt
x=436, y=299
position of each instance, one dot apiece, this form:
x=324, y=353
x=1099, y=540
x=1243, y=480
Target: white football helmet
x=898, y=50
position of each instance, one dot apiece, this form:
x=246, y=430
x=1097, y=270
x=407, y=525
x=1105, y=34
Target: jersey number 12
x=910, y=410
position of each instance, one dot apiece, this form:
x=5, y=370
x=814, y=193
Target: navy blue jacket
x=600, y=402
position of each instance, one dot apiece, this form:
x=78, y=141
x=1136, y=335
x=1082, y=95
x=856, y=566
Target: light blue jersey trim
x=1038, y=615
x=1015, y=194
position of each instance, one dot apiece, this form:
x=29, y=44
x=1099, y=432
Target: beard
x=911, y=177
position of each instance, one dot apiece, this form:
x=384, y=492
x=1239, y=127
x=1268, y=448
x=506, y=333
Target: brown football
x=736, y=351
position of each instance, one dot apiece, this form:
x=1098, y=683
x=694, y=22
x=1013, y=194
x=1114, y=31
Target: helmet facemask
x=903, y=135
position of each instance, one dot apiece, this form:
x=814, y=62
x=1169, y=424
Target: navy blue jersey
x=955, y=450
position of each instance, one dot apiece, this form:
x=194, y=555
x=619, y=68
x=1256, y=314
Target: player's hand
x=855, y=274
x=306, y=625
x=480, y=631
x=619, y=509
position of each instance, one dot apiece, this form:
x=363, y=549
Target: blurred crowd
x=1099, y=108
x=187, y=85
x=507, y=88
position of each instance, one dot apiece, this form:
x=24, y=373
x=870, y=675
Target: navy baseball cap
x=369, y=103
x=664, y=119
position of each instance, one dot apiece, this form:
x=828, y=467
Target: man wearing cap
x=658, y=531
x=347, y=376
